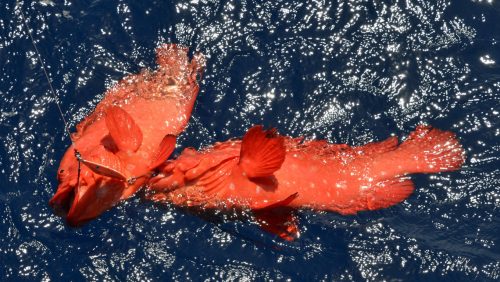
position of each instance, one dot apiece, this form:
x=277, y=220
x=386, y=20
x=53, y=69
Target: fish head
x=82, y=193
x=115, y=151
x=95, y=174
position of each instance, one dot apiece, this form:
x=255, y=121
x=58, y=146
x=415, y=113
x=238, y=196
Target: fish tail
x=426, y=150
x=430, y=150
x=178, y=75
x=175, y=58
x=172, y=55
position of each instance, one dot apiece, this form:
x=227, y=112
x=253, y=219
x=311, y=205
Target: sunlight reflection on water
x=346, y=71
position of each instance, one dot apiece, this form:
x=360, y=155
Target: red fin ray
x=205, y=164
x=165, y=149
x=215, y=185
x=262, y=152
x=387, y=145
x=279, y=219
x=167, y=183
x=213, y=180
x=123, y=130
x=433, y=150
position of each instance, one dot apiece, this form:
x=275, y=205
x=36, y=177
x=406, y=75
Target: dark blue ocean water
x=346, y=71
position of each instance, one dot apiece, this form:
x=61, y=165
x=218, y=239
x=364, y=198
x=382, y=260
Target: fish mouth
x=64, y=205
x=83, y=203
x=62, y=201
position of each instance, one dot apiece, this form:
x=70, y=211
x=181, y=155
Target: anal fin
x=388, y=193
x=279, y=219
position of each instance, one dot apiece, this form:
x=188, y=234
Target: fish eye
x=61, y=171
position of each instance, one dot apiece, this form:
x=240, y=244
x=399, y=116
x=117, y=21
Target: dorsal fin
x=165, y=149
x=123, y=130
x=262, y=152
x=105, y=163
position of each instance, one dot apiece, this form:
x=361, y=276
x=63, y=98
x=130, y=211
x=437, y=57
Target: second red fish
x=266, y=173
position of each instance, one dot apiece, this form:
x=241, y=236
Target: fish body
x=129, y=133
x=265, y=171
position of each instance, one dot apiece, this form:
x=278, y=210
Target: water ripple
x=349, y=71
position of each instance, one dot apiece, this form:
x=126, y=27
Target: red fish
x=272, y=175
x=131, y=132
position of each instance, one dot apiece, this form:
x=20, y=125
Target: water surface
x=346, y=71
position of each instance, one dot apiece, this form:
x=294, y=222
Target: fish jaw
x=67, y=176
x=91, y=201
x=81, y=200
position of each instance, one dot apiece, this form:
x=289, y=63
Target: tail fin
x=433, y=150
x=172, y=55
x=175, y=60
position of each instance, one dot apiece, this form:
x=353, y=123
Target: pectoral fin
x=262, y=152
x=165, y=149
x=123, y=130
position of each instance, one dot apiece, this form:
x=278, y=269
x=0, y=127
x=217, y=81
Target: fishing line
x=54, y=95
x=25, y=23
